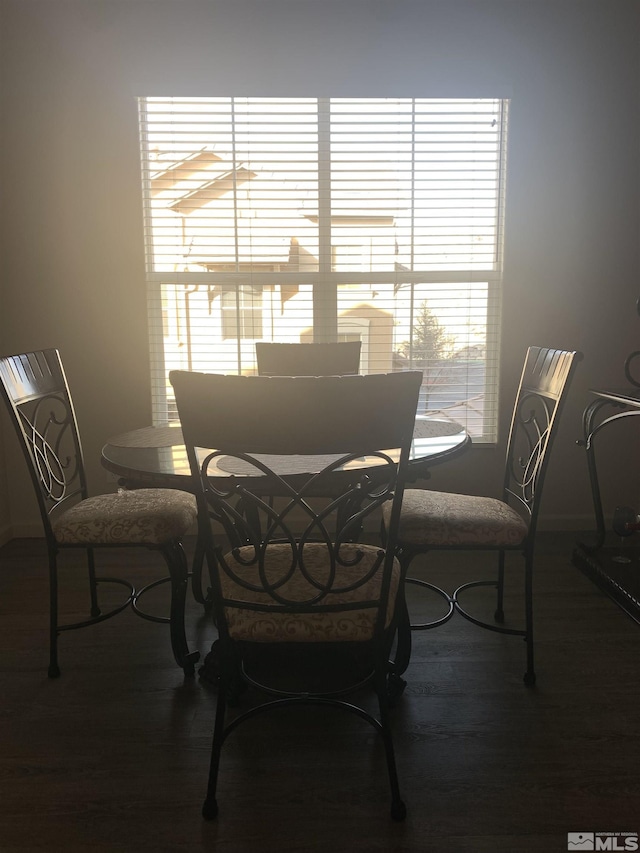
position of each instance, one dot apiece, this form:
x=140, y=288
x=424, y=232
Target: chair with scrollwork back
x=274, y=358
x=292, y=574
x=341, y=358
x=37, y=396
x=433, y=520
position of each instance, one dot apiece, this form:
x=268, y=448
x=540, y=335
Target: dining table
x=155, y=456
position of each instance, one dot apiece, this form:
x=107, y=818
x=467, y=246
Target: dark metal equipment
x=620, y=582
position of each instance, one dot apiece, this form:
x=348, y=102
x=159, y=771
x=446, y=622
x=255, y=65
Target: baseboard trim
x=561, y=523
x=20, y=531
x=6, y=535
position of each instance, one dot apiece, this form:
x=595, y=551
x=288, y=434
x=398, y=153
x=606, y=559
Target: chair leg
x=210, y=805
x=196, y=577
x=530, y=675
x=499, y=614
x=398, y=808
x=93, y=586
x=403, y=636
x=54, y=669
x=405, y=627
x=176, y=560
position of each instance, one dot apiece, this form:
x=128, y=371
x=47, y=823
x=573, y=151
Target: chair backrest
x=35, y=391
x=321, y=359
x=303, y=440
x=545, y=381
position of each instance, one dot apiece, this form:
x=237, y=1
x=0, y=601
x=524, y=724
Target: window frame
x=326, y=281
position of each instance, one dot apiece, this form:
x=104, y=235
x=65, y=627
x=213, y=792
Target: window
x=327, y=219
x=241, y=312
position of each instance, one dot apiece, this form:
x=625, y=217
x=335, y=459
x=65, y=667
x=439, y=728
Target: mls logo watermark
x=602, y=841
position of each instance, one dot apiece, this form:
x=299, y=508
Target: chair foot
x=237, y=687
x=211, y=666
x=499, y=615
x=395, y=688
x=529, y=678
x=398, y=810
x=210, y=808
x=189, y=664
x=53, y=671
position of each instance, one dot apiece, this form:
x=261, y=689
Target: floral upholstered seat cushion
x=440, y=519
x=136, y=517
x=351, y=625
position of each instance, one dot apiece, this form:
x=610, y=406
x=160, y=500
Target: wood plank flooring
x=113, y=755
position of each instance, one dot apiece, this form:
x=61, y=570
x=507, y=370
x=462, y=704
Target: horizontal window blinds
x=328, y=219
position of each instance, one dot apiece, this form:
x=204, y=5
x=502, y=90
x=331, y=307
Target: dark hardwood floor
x=114, y=754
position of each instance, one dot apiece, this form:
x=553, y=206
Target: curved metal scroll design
x=630, y=365
x=48, y=429
x=49, y=435
x=531, y=430
x=275, y=542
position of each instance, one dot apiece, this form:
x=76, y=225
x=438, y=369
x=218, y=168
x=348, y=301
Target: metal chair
x=291, y=573
x=36, y=393
x=437, y=520
x=314, y=359
x=292, y=359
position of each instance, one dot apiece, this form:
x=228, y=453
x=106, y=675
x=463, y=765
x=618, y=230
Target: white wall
x=71, y=253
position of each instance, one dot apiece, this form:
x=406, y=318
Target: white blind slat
x=301, y=218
